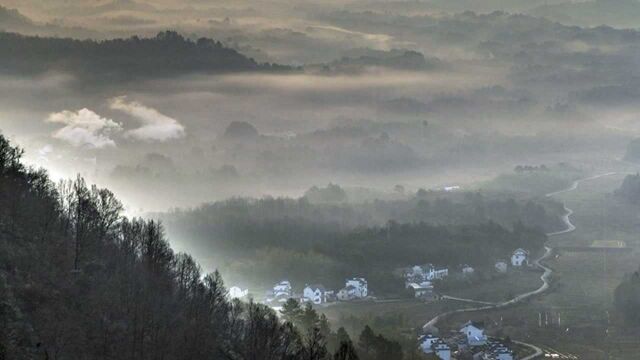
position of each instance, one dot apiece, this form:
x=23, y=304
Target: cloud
x=84, y=128
x=156, y=126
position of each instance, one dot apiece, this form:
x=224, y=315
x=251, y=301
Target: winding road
x=538, y=263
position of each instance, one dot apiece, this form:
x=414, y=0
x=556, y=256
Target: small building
x=502, y=353
x=467, y=270
x=497, y=351
x=474, y=331
x=330, y=296
x=436, y=273
x=501, y=266
x=236, y=292
x=282, y=288
x=315, y=293
x=428, y=272
x=361, y=288
x=442, y=350
x=347, y=293
x=520, y=257
x=355, y=288
x=421, y=290
x=426, y=343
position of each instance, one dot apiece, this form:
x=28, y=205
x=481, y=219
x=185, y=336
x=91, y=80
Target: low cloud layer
x=156, y=126
x=84, y=128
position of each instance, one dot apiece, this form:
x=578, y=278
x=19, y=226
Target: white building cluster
x=419, y=279
x=471, y=339
x=519, y=258
x=355, y=288
x=426, y=273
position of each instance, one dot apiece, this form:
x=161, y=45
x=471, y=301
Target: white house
x=442, y=350
x=519, y=257
x=426, y=343
x=360, y=285
x=355, y=288
x=501, y=266
x=236, y=292
x=434, y=273
x=283, y=288
x=316, y=293
x=475, y=333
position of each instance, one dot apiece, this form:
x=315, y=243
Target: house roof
x=441, y=345
x=360, y=280
x=476, y=324
x=423, y=286
x=315, y=287
x=427, y=337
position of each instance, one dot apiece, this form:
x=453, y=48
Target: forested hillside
x=80, y=281
x=167, y=54
x=261, y=241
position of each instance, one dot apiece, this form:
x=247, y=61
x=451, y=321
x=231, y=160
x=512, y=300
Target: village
x=469, y=342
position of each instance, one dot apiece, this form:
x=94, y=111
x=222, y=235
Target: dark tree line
x=80, y=281
x=165, y=55
x=369, y=346
x=266, y=240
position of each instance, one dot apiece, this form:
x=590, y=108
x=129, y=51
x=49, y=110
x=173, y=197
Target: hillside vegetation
x=262, y=241
x=80, y=281
x=168, y=54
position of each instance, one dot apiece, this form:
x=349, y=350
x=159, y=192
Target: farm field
x=599, y=216
x=579, y=306
x=502, y=288
x=405, y=315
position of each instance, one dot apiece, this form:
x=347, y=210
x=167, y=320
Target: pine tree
x=346, y=351
x=366, y=342
x=291, y=311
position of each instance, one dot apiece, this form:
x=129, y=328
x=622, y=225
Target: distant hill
x=400, y=59
x=108, y=7
x=355, y=60
x=630, y=189
x=616, y=13
x=241, y=130
x=168, y=54
x=10, y=18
